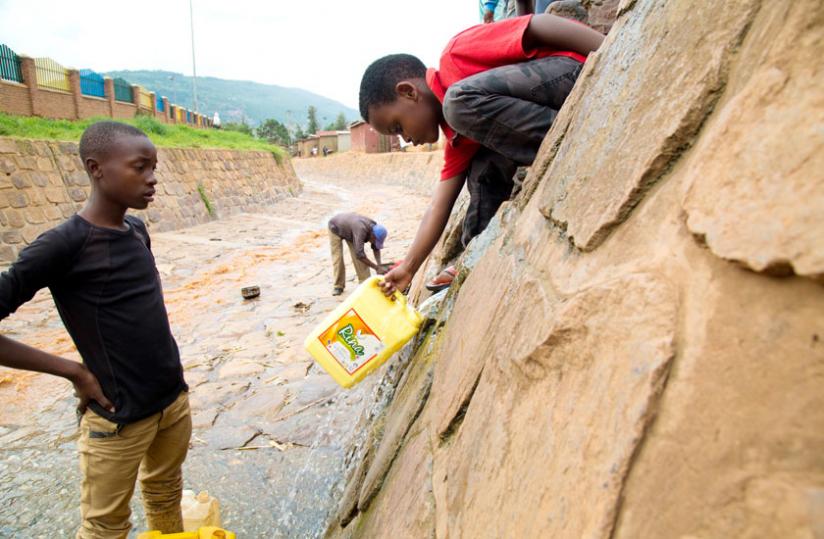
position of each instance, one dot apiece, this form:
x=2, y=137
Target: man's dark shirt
x=107, y=290
x=353, y=227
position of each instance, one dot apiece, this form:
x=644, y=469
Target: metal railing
x=91, y=83
x=123, y=91
x=51, y=75
x=10, y=65
x=144, y=98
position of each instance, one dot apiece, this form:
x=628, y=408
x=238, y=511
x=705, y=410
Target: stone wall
x=416, y=170
x=43, y=182
x=635, y=346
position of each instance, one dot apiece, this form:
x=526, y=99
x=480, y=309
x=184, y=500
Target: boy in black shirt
x=100, y=270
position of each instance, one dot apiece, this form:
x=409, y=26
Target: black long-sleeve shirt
x=107, y=290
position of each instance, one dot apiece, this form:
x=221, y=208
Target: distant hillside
x=236, y=100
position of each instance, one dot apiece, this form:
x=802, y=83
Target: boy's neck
x=104, y=213
x=430, y=97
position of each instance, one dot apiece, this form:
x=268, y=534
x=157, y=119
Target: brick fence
x=43, y=182
x=29, y=99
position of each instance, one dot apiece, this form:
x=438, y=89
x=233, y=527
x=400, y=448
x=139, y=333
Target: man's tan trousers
x=338, y=268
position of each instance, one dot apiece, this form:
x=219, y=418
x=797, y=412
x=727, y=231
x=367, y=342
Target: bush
x=239, y=127
x=150, y=125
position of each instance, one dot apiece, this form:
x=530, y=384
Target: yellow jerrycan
x=362, y=333
x=208, y=532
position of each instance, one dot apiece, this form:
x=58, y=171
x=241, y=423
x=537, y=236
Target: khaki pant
x=338, y=268
x=112, y=457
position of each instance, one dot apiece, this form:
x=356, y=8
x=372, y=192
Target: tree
x=312, y=114
x=274, y=132
x=299, y=134
x=340, y=122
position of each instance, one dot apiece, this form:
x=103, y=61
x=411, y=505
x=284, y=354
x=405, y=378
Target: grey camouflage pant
x=508, y=110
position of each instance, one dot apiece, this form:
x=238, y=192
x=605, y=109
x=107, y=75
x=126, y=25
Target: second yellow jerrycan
x=209, y=532
x=199, y=511
x=362, y=332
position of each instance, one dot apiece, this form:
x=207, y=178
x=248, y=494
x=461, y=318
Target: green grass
x=205, y=199
x=163, y=135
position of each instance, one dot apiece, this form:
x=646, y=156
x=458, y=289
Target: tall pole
x=194, y=68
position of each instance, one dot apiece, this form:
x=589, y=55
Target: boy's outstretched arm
x=20, y=356
x=429, y=232
x=553, y=32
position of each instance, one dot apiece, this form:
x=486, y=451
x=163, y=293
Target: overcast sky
x=319, y=45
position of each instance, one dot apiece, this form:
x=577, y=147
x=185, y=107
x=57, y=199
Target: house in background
x=365, y=139
x=305, y=146
x=344, y=141
x=328, y=140
x=334, y=141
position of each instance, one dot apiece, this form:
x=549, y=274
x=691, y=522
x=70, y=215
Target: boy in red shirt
x=495, y=95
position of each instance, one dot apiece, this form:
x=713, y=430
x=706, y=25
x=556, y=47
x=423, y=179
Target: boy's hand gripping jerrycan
x=362, y=333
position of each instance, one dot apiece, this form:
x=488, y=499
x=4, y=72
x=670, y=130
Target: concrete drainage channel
x=270, y=429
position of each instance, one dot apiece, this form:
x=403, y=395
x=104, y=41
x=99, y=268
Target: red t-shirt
x=477, y=49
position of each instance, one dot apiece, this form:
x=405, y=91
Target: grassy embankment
x=163, y=135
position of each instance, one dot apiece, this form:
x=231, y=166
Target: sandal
x=443, y=280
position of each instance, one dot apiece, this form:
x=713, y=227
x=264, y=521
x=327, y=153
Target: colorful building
x=364, y=138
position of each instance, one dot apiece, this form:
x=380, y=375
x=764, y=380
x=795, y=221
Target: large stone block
x=20, y=179
x=31, y=232
x=737, y=445
x=653, y=94
x=757, y=195
x=7, y=165
x=34, y=216
x=8, y=253
x=56, y=195
x=45, y=164
x=7, y=145
x=12, y=236
x=79, y=177
x=405, y=507
x=78, y=194
x=552, y=428
x=25, y=162
x=17, y=199
x=404, y=410
x=52, y=213
x=39, y=179
x=67, y=209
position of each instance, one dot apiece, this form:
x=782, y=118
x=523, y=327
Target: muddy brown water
x=270, y=428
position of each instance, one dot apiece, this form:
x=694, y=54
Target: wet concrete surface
x=270, y=427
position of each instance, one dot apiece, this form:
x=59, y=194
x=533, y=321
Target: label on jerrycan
x=351, y=342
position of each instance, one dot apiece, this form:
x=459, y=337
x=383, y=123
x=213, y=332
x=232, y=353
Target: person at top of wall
x=356, y=230
x=133, y=406
x=496, y=10
x=495, y=95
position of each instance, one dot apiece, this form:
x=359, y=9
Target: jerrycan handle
x=401, y=299
x=396, y=295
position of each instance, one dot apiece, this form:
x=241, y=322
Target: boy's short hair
x=99, y=137
x=379, y=80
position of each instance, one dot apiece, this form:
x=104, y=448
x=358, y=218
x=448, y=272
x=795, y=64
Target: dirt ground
x=269, y=425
